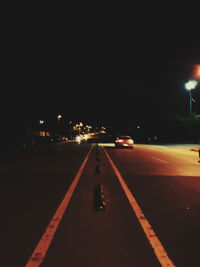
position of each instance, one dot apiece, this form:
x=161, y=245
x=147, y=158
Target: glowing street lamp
x=41, y=122
x=59, y=116
x=189, y=86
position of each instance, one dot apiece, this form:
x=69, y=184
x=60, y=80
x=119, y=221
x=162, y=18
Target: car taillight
x=119, y=140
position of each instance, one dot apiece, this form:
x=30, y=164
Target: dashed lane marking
x=40, y=251
x=160, y=160
x=159, y=250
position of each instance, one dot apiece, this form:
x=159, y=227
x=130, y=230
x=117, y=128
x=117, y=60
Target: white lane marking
x=160, y=160
x=159, y=250
x=107, y=144
x=41, y=249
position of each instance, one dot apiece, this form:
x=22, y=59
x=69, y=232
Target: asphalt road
x=164, y=182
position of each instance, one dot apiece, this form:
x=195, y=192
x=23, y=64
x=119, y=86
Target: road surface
x=49, y=215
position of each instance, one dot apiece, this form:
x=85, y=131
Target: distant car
x=124, y=141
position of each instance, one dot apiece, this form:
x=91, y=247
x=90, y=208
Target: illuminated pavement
x=165, y=182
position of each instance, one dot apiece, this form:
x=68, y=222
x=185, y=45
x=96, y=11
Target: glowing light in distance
x=198, y=71
x=78, y=139
x=190, y=85
x=85, y=137
x=119, y=140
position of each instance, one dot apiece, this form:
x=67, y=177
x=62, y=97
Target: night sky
x=97, y=72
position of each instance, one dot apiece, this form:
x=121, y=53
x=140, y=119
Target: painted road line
x=160, y=160
x=41, y=249
x=159, y=250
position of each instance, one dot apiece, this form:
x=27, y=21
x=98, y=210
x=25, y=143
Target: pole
x=191, y=132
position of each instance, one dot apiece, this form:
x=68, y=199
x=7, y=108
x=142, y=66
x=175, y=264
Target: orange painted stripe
x=41, y=249
x=159, y=250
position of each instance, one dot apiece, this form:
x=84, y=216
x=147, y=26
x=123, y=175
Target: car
x=124, y=141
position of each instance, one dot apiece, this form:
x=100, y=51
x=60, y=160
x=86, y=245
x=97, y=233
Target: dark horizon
x=124, y=79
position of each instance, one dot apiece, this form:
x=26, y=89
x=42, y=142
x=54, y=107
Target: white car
x=124, y=141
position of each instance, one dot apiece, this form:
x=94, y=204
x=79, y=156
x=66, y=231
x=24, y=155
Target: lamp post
x=189, y=86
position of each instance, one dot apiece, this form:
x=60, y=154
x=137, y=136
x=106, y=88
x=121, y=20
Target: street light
x=59, y=116
x=41, y=122
x=189, y=86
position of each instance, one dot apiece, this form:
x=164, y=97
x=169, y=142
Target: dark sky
x=94, y=70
